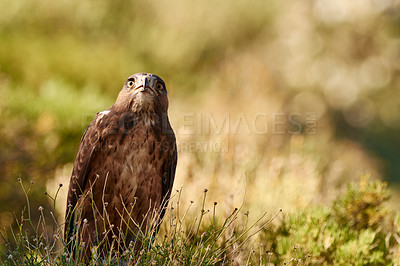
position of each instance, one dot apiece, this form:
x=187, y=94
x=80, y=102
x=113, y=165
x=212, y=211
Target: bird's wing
x=89, y=142
x=168, y=178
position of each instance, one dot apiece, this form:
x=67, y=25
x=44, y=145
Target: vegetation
x=357, y=229
x=204, y=240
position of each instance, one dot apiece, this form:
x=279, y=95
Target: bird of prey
x=124, y=170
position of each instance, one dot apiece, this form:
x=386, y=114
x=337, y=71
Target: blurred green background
x=63, y=61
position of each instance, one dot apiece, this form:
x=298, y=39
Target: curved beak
x=146, y=83
x=145, y=86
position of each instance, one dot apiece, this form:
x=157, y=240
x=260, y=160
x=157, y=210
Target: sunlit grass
x=357, y=228
x=185, y=237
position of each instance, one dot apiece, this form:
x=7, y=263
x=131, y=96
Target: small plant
x=357, y=230
x=34, y=242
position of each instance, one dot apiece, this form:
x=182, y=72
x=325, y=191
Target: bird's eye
x=159, y=86
x=131, y=83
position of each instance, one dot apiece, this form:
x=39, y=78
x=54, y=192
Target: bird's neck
x=148, y=117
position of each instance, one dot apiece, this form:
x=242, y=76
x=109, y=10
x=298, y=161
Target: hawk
x=124, y=170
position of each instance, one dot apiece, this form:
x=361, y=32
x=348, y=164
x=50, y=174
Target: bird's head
x=143, y=92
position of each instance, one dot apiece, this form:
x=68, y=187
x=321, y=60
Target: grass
x=184, y=238
x=358, y=228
